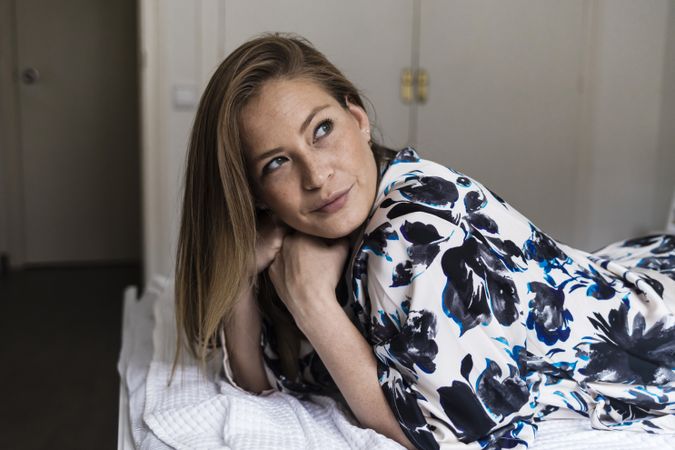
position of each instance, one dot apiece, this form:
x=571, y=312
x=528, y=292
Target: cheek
x=349, y=154
x=279, y=197
x=363, y=161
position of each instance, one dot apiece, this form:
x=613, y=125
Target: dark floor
x=59, y=343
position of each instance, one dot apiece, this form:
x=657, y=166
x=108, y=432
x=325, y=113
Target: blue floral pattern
x=483, y=325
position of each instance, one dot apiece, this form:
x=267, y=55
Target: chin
x=333, y=233
x=336, y=228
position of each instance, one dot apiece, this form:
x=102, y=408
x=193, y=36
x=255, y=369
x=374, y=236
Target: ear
x=360, y=115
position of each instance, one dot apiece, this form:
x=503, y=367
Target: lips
x=334, y=202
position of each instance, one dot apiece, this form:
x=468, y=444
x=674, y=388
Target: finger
x=273, y=268
x=292, y=238
x=276, y=239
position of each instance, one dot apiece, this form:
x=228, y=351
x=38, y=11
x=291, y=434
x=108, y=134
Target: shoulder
x=425, y=183
x=415, y=190
x=417, y=211
x=411, y=187
x=423, y=208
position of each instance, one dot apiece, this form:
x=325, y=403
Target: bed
x=200, y=411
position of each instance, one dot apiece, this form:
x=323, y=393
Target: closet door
x=504, y=99
x=371, y=42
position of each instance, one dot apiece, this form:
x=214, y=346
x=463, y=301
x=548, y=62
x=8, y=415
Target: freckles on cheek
x=277, y=198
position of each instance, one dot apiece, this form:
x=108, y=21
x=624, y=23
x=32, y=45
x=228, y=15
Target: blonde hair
x=218, y=223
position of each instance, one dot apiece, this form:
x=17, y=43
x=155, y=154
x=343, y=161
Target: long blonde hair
x=218, y=223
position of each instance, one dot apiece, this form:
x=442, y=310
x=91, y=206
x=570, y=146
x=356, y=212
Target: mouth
x=334, y=202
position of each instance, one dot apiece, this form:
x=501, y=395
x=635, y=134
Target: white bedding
x=197, y=412
x=137, y=352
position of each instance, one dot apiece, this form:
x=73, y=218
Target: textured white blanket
x=199, y=412
x=135, y=357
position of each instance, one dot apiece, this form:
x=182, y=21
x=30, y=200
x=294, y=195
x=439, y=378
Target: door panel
x=504, y=99
x=79, y=137
x=371, y=42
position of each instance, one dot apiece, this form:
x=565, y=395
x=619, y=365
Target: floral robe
x=482, y=325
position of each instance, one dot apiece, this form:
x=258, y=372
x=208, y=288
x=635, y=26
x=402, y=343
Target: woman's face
x=309, y=157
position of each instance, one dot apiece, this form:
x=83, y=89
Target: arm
x=351, y=363
x=242, y=342
x=305, y=273
x=242, y=333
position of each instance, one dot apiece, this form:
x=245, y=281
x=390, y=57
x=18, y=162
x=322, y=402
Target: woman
x=326, y=263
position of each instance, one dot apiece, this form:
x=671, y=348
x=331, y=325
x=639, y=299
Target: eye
x=323, y=129
x=273, y=165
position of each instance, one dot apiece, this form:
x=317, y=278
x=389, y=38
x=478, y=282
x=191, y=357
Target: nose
x=316, y=171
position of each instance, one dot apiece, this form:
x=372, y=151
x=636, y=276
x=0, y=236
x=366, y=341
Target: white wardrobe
x=565, y=109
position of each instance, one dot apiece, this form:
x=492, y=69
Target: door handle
x=407, y=86
x=30, y=75
x=422, y=85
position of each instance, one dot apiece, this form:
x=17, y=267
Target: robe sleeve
x=446, y=334
x=311, y=375
x=227, y=367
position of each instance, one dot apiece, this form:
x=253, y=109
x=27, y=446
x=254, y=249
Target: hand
x=306, y=272
x=271, y=232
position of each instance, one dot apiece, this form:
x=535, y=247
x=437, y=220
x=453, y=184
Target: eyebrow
x=303, y=127
x=311, y=115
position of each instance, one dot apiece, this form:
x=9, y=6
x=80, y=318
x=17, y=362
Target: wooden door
x=78, y=130
x=504, y=101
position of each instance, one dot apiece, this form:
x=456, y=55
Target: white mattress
x=153, y=416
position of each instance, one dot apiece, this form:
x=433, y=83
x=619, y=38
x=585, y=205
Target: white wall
x=179, y=52
x=626, y=145
x=505, y=99
x=665, y=186
x=630, y=123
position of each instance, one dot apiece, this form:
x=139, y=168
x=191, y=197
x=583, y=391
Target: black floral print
x=483, y=325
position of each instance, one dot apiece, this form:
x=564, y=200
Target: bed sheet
x=198, y=411
x=138, y=323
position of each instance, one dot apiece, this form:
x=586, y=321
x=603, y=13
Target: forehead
x=281, y=106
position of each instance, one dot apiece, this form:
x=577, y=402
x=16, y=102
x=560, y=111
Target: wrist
x=245, y=302
x=312, y=313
